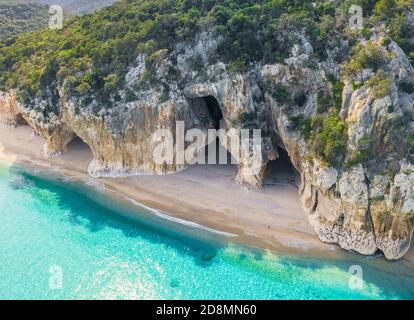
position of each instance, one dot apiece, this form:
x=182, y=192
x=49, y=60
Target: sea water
x=57, y=241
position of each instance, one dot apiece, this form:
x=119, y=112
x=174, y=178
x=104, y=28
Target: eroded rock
x=362, y=207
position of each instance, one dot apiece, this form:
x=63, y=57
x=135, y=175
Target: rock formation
x=363, y=205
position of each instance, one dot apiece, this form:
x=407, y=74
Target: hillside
x=16, y=18
x=75, y=6
x=339, y=100
x=111, y=39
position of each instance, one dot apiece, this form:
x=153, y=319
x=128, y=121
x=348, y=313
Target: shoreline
x=205, y=196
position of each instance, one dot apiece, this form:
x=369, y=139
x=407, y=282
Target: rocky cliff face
x=363, y=205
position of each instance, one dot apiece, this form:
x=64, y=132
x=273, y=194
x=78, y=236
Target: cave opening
x=281, y=171
x=20, y=121
x=78, y=149
x=216, y=115
x=214, y=110
x=208, y=109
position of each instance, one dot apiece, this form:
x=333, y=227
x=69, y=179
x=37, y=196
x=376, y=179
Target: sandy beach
x=207, y=195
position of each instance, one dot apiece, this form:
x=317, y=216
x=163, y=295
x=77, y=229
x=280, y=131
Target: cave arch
x=208, y=109
x=281, y=171
x=78, y=149
x=76, y=143
x=214, y=110
x=21, y=121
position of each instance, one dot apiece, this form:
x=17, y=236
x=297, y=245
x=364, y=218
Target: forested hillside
x=102, y=45
x=76, y=6
x=16, y=18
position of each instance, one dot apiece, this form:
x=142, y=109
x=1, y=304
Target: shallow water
x=57, y=241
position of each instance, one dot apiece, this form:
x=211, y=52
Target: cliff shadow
x=77, y=144
x=21, y=121
x=208, y=110
x=79, y=152
x=281, y=171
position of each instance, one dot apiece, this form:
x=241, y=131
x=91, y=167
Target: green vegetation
x=248, y=120
x=380, y=84
x=91, y=55
x=411, y=139
x=324, y=102
x=367, y=56
x=358, y=157
x=302, y=124
x=393, y=12
x=16, y=18
x=327, y=135
x=362, y=155
x=280, y=94
x=337, y=89
x=75, y=6
x=328, y=100
x=356, y=85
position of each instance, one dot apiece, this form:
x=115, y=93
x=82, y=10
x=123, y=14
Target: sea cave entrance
x=214, y=110
x=281, y=171
x=20, y=121
x=77, y=144
x=208, y=110
x=78, y=151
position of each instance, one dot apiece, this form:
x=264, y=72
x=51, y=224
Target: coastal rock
x=10, y=115
x=364, y=202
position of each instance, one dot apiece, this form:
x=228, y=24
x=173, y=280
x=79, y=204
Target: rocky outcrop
x=364, y=206
x=56, y=132
x=9, y=110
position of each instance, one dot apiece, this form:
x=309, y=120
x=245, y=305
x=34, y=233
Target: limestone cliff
x=360, y=195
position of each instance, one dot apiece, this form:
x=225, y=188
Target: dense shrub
x=92, y=54
x=380, y=84
x=302, y=124
x=329, y=137
x=248, y=120
x=367, y=56
x=280, y=93
x=324, y=102
x=411, y=139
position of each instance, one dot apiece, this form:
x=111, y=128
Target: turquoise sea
x=62, y=240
